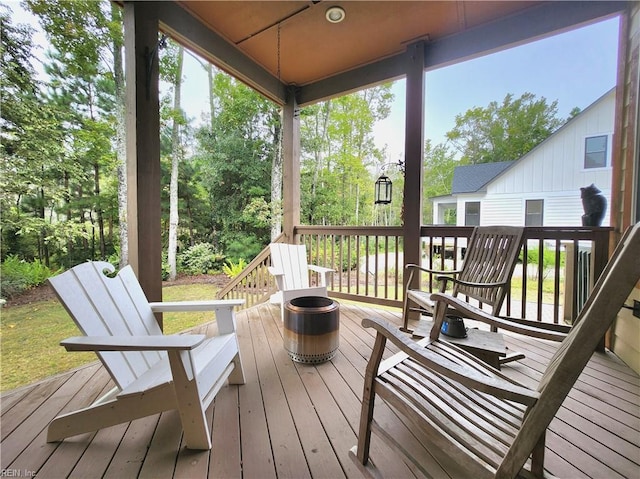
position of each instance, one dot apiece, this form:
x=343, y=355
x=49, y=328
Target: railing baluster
x=363, y=257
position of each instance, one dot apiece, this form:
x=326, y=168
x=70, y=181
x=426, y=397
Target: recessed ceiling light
x=335, y=14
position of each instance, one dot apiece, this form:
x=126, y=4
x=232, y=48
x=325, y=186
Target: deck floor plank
x=288, y=454
x=294, y=420
x=29, y=402
x=586, y=465
x=76, y=392
x=160, y=460
x=99, y=454
x=321, y=459
x=257, y=454
x=70, y=453
x=345, y=385
x=226, y=425
x=132, y=450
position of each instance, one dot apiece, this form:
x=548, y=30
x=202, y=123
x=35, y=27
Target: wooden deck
x=292, y=420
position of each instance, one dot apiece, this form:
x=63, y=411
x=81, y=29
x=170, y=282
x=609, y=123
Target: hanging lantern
x=383, y=190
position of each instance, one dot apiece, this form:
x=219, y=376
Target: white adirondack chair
x=290, y=268
x=152, y=372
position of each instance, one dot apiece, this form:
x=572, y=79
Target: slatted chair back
x=490, y=258
x=291, y=260
x=615, y=284
x=101, y=305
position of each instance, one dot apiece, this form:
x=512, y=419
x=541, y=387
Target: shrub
x=200, y=259
x=17, y=275
x=232, y=269
x=548, y=262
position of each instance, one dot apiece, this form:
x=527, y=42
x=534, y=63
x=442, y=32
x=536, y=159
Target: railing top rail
x=351, y=230
x=259, y=259
x=565, y=232
x=530, y=232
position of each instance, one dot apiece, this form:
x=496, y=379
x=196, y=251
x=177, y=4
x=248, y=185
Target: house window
x=533, y=212
x=595, y=152
x=472, y=213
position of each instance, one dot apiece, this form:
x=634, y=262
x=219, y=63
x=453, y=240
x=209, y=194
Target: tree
x=234, y=158
x=506, y=131
x=337, y=154
x=86, y=78
x=172, y=63
x=439, y=164
x=32, y=148
x=83, y=35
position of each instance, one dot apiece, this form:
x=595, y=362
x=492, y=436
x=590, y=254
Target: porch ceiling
x=324, y=59
x=312, y=49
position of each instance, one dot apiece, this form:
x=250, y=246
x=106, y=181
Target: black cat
x=594, y=204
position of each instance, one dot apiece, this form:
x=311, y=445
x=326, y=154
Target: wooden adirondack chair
x=479, y=422
x=490, y=258
x=290, y=268
x=152, y=372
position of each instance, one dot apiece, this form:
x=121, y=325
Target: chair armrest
x=133, y=343
x=187, y=306
x=562, y=328
x=275, y=271
x=496, y=384
x=320, y=269
x=222, y=307
x=325, y=273
x=471, y=284
x=428, y=270
x=472, y=312
x=278, y=276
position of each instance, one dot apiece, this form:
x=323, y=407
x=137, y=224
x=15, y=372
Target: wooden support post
x=143, y=145
x=291, y=166
x=414, y=147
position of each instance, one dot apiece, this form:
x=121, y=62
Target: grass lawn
x=30, y=335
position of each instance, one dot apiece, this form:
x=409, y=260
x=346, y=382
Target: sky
x=574, y=69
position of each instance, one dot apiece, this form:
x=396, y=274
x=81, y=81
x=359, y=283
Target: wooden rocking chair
x=490, y=258
x=475, y=417
x=152, y=372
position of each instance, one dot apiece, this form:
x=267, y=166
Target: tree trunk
x=43, y=247
x=276, y=180
x=190, y=216
x=99, y=212
x=67, y=201
x=175, y=160
x=121, y=152
x=212, y=106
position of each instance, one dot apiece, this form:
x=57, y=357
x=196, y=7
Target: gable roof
x=473, y=178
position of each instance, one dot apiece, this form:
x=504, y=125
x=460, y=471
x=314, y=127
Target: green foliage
x=61, y=133
x=233, y=160
x=337, y=154
x=243, y=246
x=548, y=259
x=439, y=164
x=201, y=258
x=504, y=131
x=17, y=275
x=232, y=269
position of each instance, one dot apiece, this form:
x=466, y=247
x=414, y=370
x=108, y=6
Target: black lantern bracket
x=150, y=57
x=384, y=186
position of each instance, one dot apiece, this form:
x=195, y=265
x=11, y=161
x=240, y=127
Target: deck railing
x=369, y=263
x=254, y=284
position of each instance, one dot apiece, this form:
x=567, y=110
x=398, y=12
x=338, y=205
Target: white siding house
x=543, y=187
